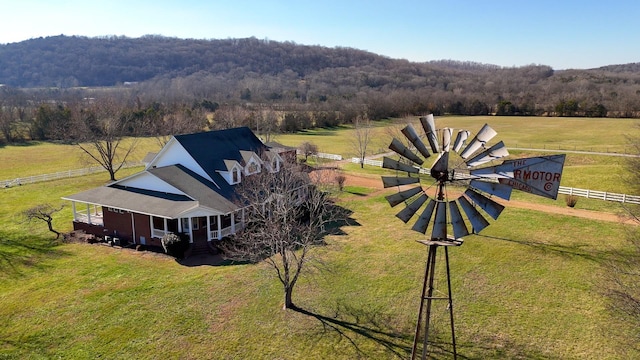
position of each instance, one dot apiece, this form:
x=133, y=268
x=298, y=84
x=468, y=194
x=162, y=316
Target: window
x=252, y=168
x=236, y=176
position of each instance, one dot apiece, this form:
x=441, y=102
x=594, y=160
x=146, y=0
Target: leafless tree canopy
x=43, y=212
x=362, y=137
x=308, y=148
x=286, y=217
x=101, y=134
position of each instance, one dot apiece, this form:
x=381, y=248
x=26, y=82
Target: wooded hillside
x=289, y=75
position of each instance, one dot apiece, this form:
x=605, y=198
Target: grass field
x=531, y=286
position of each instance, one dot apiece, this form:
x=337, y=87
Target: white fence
x=323, y=155
x=600, y=195
x=589, y=194
x=58, y=175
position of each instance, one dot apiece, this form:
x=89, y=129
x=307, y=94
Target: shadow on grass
x=19, y=253
x=370, y=325
x=583, y=251
x=492, y=347
x=321, y=131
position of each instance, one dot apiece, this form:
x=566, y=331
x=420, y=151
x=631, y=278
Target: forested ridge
x=159, y=78
x=270, y=71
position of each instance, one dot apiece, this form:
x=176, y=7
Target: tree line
x=283, y=75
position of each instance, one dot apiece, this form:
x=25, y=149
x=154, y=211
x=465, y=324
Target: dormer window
x=275, y=165
x=236, y=175
x=253, y=168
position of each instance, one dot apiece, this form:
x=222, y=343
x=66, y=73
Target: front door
x=199, y=229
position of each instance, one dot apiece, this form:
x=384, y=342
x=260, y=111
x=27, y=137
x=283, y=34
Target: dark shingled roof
x=197, y=187
x=210, y=149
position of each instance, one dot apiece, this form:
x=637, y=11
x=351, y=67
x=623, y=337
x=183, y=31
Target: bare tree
x=102, y=130
x=179, y=121
x=286, y=217
x=43, y=212
x=308, y=148
x=361, y=137
x=266, y=124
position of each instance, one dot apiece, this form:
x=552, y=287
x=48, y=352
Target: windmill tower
x=458, y=180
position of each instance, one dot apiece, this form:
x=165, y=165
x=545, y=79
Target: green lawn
x=530, y=287
x=39, y=158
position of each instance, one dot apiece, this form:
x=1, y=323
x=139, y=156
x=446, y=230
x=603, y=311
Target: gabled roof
x=210, y=149
x=198, y=188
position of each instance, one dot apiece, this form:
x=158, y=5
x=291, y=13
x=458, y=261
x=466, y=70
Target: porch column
x=88, y=213
x=208, y=228
x=73, y=209
x=165, y=226
x=233, y=222
x=133, y=229
x=190, y=230
x=219, y=228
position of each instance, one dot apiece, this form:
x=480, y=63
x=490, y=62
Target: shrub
x=340, y=180
x=174, y=245
x=571, y=200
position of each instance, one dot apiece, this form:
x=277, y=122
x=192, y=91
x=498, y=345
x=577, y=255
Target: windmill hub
x=440, y=175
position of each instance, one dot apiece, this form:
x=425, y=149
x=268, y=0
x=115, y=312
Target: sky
x=564, y=34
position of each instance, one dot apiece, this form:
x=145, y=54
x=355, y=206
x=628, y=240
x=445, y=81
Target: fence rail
x=589, y=194
x=323, y=155
x=58, y=175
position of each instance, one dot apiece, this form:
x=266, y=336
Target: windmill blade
x=459, y=227
x=484, y=135
x=400, y=149
x=402, y=196
x=411, y=135
x=439, y=231
x=461, y=138
x=412, y=208
x=477, y=221
x=500, y=190
x=429, y=126
x=493, y=172
x=423, y=221
x=497, y=151
x=489, y=206
x=389, y=163
x=446, y=139
x=391, y=181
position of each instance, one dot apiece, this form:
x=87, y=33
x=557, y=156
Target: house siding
x=118, y=223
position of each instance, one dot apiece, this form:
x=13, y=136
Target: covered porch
x=208, y=227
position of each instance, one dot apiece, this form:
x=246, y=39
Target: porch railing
x=96, y=219
x=225, y=231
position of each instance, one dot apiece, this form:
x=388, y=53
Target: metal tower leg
x=427, y=297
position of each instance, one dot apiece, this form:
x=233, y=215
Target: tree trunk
x=52, y=230
x=288, y=302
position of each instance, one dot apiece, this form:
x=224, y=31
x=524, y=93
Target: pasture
x=532, y=285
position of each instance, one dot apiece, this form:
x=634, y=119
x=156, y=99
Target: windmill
x=465, y=179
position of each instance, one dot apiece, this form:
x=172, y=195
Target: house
x=186, y=188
